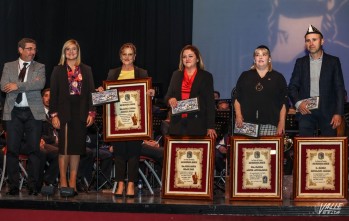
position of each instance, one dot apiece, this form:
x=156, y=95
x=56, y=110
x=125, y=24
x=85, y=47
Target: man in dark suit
x=22, y=80
x=317, y=75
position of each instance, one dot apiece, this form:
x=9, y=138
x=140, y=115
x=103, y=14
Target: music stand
x=97, y=172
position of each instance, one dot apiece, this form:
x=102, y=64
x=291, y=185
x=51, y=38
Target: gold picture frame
x=131, y=117
x=256, y=168
x=320, y=169
x=188, y=167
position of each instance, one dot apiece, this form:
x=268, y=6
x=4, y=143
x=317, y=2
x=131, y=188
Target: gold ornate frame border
x=320, y=169
x=134, y=93
x=188, y=167
x=270, y=188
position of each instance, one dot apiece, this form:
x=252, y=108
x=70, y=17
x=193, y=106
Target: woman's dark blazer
x=59, y=95
x=198, y=122
x=114, y=73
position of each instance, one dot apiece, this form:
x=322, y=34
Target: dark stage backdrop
x=228, y=31
x=158, y=28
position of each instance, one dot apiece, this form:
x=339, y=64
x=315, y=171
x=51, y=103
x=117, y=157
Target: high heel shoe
x=117, y=195
x=130, y=196
x=130, y=190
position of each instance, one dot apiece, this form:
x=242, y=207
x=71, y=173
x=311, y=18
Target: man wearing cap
x=317, y=75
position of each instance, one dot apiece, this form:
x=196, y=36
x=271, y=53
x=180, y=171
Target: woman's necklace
x=259, y=86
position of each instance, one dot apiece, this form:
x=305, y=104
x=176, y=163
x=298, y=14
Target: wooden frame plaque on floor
x=320, y=169
x=188, y=168
x=256, y=168
x=131, y=117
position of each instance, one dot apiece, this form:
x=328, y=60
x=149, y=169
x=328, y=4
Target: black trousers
x=309, y=123
x=23, y=126
x=126, y=155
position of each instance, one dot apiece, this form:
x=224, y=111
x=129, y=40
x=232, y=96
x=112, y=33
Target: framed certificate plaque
x=131, y=117
x=256, y=168
x=320, y=168
x=188, y=168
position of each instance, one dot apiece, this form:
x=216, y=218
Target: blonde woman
x=71, y=109
x=261, y=95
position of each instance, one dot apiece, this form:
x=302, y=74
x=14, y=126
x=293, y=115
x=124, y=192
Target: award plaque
x=247, y=129
x=185, y=106
x=131, y=117
x=188, y=168
x=256, y=168
x=105, y=97
x=320, y=168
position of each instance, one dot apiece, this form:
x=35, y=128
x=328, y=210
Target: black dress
x=72, y=135
x=72, y=108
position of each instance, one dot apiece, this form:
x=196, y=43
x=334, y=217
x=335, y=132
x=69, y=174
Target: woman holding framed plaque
x=71, y=109
x=127, y=153
x=188, y=82
x=261, y=96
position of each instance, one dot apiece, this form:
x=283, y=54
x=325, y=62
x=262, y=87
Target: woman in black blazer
x=190, y=81
x=71, y=109
x=126, y=153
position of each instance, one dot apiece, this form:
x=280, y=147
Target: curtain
x=158, y=28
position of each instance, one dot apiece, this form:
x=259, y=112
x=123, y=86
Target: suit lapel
x=116, y=74
x=179, y=85
x=14, y=68
x=63, y=78
x=307, y=74
x=30, y=71
x=48, y=118
x=196, y=84
x=136, y=72
x=84, y=79
x=323, y=67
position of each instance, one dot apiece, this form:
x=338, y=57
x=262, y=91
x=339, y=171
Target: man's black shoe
x=13, y=192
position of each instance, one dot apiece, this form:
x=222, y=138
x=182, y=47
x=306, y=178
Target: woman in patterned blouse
x=71, y=109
